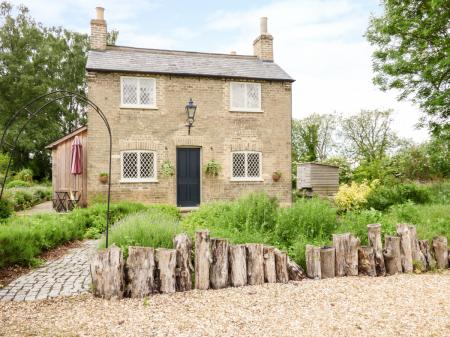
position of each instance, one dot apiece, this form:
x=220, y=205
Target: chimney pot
x=263, y=25
x=100, y=13
x=232, y=52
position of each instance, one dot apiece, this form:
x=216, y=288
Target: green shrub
x=6, y=208
x=151, y=228
x=24, y=175
x=25, y=197
x=384, y=196
x=311, y=218
x=18, y=183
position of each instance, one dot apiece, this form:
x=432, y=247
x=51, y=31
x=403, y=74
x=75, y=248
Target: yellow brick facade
x=216, y=131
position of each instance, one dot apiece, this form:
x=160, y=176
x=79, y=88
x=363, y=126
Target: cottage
x=242, y=122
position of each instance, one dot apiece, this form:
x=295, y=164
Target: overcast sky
x=319, y=43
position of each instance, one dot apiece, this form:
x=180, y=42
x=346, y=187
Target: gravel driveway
x=402, y=305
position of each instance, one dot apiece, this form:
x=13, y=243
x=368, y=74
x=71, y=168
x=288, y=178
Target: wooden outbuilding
x=316, y=178
x=62, y=179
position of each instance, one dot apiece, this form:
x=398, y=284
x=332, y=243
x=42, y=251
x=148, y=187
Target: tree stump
x=107, y=273
x=327, y=262
x=218, y=272
x=424, y=246
x=417, y=254
x=346, y=254
x=405, y=247
x=282, y=275
x=270, y=275
x=296, y=273
x=440, y=251
x=366, y=261
x=374, y=236
x=255, y=264
x=202, y=260
x=183, y=245
x=139, y=272
x=238, y=265
x=313, y=262
x=166, y=264
x=391, y=252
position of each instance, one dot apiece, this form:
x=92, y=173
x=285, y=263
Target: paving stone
x=67, y=276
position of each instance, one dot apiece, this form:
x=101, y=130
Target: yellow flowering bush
x=354, y=195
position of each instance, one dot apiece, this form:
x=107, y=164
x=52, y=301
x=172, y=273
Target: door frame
x=201, y=173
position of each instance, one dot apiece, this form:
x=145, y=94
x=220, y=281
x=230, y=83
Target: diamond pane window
x=245, y=96
x=138, y=166
x=138, y=92
x=246, y=165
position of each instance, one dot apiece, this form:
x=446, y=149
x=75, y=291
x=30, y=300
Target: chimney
x=263, y=44
x=98, y=30
x=233, y=52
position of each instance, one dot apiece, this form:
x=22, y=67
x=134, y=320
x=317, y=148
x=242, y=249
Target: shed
x=321, y=179
x=62, y=179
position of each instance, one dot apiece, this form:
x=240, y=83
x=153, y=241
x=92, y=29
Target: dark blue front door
x=188, y=177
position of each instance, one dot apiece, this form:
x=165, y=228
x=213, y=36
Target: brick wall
x=217, y=131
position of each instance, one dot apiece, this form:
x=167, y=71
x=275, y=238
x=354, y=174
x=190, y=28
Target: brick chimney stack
x=263, y=44
x=98, y=30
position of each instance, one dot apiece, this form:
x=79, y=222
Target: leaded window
x=138, y=92
x=245, y=96
x=138, y=166
x=246, y=165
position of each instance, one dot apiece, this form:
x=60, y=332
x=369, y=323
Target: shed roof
x=66, y=137
x=319, y=164
x=158, y=61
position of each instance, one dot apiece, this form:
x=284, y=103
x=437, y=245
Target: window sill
x=139, y=107
x=246, y=180
x=137, y=181
x=246, y=110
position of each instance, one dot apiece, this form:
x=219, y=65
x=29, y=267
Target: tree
x=35, y=60
x=368, y=136
x=413, y=45
x=312, y=137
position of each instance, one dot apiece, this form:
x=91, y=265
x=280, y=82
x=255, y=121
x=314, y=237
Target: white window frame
x=138, y=88
x=247, y=178
x=245, y=109
x=139, y=180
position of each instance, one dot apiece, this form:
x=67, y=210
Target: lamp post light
x=190, y=113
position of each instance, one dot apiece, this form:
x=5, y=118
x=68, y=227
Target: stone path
x=66, y=276
x=45, y=207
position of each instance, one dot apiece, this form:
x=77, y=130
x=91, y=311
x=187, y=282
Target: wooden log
x=405, y=247
x=255, y=264
x=282, y=275
x=139, y=272
x=183, y=245
x=426, y=250
x=327, y=262
x=374, y=236
x=440, y=251
x=166, y=264
x=419, y=260
x=238, y=265
x=346, y=254
x=391, y=253
x=296, y=273
x=218, y=272
x=270, y=275
x=107, y=273
x=366, y=261
x=313, y=262
x=202, y=259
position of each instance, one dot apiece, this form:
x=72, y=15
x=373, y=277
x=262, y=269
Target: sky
x=320, y=43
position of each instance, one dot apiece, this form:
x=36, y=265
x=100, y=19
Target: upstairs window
x=245, y=96
x=246, y=165
x=138, y=166
x=138, y=92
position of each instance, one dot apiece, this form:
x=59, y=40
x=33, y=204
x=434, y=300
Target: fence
x=218, y=264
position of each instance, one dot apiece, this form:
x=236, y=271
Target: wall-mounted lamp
x=190, y=113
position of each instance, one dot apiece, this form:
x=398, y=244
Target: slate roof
x=156, y=61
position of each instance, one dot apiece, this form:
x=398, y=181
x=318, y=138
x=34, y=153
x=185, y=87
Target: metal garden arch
x=48, y=99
